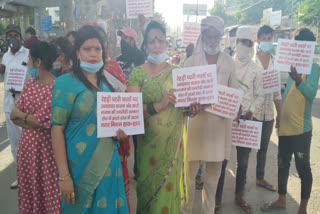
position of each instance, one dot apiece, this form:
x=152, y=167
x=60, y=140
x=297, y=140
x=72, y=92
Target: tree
x=309, y=13
x=219, y=9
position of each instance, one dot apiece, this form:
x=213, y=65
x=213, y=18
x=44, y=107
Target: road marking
x=4, y=141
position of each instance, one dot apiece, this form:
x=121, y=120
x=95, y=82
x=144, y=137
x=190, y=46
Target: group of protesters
x=63, y=167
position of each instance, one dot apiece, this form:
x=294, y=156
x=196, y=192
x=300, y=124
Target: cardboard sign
x=119, y=111
x=195, y=84
x=228, y=105
x=191, y=32
x=297, y=53
x=15, y=77
x=247, y=134
x=136, y=7
x=271, y=81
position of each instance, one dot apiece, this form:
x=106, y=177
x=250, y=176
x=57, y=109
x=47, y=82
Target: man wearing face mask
x=232, y=41
x=266, y=115
x=130, y=56
x=250, y=80
x=15, y=58
x=209, y=135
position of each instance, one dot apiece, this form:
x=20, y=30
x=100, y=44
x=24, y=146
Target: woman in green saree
x=90, y=173
x=160, y=149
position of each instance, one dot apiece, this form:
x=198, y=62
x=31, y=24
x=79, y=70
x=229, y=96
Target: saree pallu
x=94, y=163
x=160, y=149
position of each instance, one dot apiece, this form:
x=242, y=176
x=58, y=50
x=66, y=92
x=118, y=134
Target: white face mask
x=243, y=52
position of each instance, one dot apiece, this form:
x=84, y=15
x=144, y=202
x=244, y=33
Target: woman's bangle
x=150, y=109
x=64, y=178
x=25, y=118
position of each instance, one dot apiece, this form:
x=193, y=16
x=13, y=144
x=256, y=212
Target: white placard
x=195, y=9
x=15, y=77
x=191, y=32
x=247, y=134
x=195, y=84
x=137, y=7
x=271, y=81
x=119, y=111
x=228, y=105
x=275, y=18
x=297, y=53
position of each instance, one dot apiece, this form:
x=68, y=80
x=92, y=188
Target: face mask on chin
x=34, y=72
x=157, y=58
x=211, y=51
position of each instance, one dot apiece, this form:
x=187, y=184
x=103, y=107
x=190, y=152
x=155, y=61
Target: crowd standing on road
x=63, y=167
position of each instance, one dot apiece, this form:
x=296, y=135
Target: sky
x=172, y=10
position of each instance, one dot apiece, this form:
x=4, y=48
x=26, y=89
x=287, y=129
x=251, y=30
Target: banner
x=297, y=53
x=271, y=81
x=119, y=111
x=15, y=77
x=195, y=84
x=136, y=7
x=228, y=105
x=191, y=32
x=247, y=134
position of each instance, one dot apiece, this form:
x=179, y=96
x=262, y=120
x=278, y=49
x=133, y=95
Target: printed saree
x=94, y=163
x=160, y=149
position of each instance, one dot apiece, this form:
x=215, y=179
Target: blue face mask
x=266, y=46
x=91, y=68
x=157, y=59
x=34, y=72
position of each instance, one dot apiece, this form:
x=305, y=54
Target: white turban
x=246, y=32
x=213, y=21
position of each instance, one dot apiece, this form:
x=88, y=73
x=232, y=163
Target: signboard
x=195, y=9
x=15, y=77
x=297, y=53
x=191, y=32
x=195, y=84
x=275, y=18
x=228, y=105
x=271, y=81
x=267, y=12
x=247, y=134
x=136, y=7
x=46, y=23
x=119, y=111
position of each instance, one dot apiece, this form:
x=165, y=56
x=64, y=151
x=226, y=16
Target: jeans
x=298, y=145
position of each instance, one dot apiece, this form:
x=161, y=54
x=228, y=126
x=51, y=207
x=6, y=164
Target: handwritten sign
x=247, y=134
x=228, y=105
x=191, y=32
x=271, y=81
x=297, y=53
x=195, y=84
x=119, y=111
x=136, y=7
x=15, y=77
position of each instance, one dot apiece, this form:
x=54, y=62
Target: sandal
x=267, y=186
x=244, y=206
x=271, y=207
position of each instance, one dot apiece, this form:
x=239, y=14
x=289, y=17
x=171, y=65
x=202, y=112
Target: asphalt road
x=254, y=195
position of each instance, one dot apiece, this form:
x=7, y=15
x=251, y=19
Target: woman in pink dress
x=38, y=190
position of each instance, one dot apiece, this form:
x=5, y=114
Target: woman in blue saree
x=90, y=174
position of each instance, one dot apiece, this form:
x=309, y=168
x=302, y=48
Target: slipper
x=271, y=207
x=245, y=207
x=267, y=186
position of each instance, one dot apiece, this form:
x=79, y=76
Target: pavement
x=254, y=195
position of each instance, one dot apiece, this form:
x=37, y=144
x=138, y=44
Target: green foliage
x=2, y=26
x=309, y=12
x=250, y=11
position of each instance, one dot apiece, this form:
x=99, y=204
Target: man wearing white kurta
x=208, y=135
x=16, y=57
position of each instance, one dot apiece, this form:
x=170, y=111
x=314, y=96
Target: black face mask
x=14, y=43
x=127, y=50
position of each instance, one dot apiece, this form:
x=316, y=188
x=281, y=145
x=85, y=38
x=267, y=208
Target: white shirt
x=10, y=59
x=267, y=111
x=250, y=81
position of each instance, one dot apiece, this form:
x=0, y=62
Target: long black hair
x=85, y=33
x=152, y=25
x=44, y=51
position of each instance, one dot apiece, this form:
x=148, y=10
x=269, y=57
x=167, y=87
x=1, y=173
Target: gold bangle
x=64, y=178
